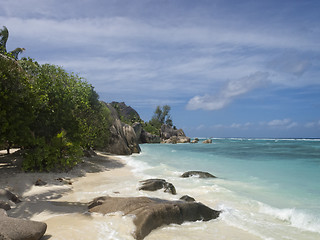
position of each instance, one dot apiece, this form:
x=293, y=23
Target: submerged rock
x=156, y=184
x=151, y=213
x=199, y=174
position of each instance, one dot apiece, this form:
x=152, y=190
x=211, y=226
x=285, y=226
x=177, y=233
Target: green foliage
x=161, y=116
x=126, y=116
x=49, y=112
x=16, y=103
x=4, y=35
x=58, y=154
x=149, y=127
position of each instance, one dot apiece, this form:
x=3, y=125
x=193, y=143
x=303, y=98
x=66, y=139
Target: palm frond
x=4, y=35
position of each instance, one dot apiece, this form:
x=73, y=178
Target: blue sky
x=227, y=68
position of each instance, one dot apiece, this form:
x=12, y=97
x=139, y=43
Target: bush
x=59, y=154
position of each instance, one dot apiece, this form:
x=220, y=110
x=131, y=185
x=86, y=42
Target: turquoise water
x=268, y=188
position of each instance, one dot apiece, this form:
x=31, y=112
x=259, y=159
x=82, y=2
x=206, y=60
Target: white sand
x=63, y=206
x=62, y=202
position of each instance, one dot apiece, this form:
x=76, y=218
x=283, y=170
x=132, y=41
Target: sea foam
x=296, y=218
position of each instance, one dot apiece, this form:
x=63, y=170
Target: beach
x=63, y=202
x=253, y=207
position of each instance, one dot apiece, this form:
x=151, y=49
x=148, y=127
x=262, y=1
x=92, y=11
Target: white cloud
x=282, y=123
x=233, y=89
x=312, y=124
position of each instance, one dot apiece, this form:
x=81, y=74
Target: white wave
x=296, y=218
x=137, y=167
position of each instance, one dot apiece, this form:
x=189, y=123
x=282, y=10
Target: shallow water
x=267, y=189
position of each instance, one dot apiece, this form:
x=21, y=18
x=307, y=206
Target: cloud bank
x=231, y=91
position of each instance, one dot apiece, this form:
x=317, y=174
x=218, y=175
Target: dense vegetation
x=52, y=114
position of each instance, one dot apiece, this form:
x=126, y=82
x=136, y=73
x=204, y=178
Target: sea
x=266, y=188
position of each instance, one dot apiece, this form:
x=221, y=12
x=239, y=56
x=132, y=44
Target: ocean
x=266, y=188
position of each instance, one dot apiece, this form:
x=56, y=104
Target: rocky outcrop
x=122, y=139
x=20, y=229
x=199, y=174
x=137, y=127
x=171, y=135
x=196, y=140
x=126, y=113
x=207, y=141
x=147, y=137
x=156, y=184
x=151, y=213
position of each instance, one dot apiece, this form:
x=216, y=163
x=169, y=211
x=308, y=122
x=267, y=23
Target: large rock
x=207, y=141
x=20, y=229
x=122, y=139
x=156, y=184
x=151, y=213
x=127, y=113
x=171, y=135
x=131, y=138
x=199, y=174
x=137, y=127
x=147, y=137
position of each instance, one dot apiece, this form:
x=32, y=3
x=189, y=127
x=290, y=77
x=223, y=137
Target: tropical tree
x=68, y=117
x=161, y=116
x=4, y=35
x=16, y=104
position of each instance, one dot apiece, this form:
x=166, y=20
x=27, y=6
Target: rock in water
x=20, y=229
x=152, y=213
x=156, y=184
x=207, y=141
x=199, y=174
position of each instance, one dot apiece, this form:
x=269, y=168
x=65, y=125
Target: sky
x=227, y=68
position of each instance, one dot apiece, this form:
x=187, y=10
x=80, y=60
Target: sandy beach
x=62, y=202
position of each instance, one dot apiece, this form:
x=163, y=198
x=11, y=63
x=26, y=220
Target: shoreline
x=63, y=202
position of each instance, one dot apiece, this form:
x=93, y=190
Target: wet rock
x=199, y=174
x=156, y=184
x=151, y=213
x=187, y=198
x=207, y=141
